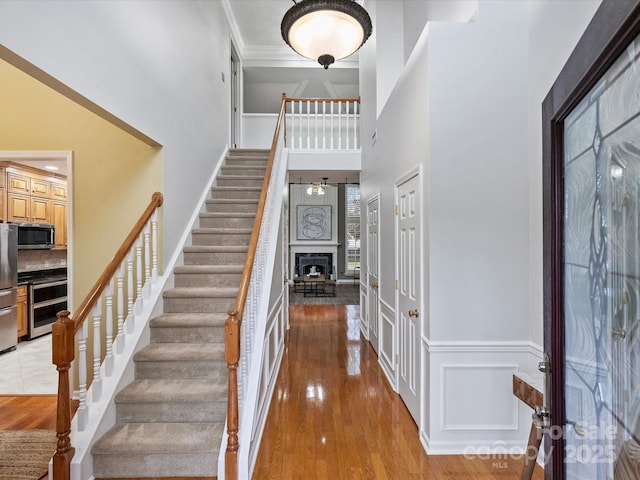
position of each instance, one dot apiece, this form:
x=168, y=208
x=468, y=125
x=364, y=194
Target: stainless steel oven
x=47, y=297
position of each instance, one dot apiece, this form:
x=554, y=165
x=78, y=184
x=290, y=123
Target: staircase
x=170, y=419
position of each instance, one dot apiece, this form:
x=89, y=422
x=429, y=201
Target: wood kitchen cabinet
x=22, y=311
x=3, y=194
x=34, y=196
x=59, y=219
x=18, y=208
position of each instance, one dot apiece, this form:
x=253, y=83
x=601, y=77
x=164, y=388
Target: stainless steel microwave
x=36, y=235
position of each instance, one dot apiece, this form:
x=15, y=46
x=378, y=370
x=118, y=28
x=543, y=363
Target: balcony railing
x=322, y=123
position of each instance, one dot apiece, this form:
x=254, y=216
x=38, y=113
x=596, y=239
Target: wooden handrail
x=317, y=99
x=234, y=321
x=63, y=345
x=110, y=270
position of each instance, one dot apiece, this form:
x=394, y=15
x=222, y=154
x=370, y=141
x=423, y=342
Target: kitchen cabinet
x=22, y=311
x=3, y=194
x=34, y=196
x=59, y=219
x=18, y=208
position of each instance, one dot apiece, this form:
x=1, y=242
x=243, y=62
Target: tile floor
x=28, y=369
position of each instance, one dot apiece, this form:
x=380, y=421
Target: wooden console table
x=529, y=390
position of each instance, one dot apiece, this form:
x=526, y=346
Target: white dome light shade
x=326, y=30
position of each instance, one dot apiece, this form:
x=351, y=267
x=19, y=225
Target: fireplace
x=322, y=261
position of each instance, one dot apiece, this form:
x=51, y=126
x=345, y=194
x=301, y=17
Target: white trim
x=401, y=180
x=469, y=427
x=480, y=346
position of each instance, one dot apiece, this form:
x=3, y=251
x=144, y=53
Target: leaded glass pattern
x=602, y=276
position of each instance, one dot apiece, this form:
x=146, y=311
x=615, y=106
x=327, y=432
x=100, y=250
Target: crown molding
x=233, y=26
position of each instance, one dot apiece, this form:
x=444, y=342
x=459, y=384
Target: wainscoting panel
x=478, y=382
x=388, y=342
x=469, y=403
x=364, y=312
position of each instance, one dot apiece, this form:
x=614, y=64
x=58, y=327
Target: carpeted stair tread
x=180, y=352
x=174, y=390
x=233, y=200
x=217, y=248
x=229, y=230
x=234, y=188
x=227, y=214
x=227, y=176
x=189, y=320
x=170, y=420
x=201, y=292
x=135, y=438
x=231, y=268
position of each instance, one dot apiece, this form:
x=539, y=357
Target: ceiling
x=270, y=67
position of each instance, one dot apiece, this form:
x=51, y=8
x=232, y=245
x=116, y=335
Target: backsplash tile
x=30, y=260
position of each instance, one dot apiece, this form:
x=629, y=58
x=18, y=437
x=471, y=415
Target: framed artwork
x=313, y=222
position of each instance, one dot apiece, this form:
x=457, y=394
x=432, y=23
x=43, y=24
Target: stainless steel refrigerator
x=8, y=286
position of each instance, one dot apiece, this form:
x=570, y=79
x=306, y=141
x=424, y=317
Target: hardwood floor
x=334, y=416
x=27, y=412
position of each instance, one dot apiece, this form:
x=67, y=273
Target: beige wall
x=113, y=175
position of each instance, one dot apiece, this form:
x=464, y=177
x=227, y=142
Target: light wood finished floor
x=333, y=415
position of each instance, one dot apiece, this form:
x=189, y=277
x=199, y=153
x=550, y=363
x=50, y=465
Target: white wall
x=156, y=65
x=555, y=28
x=465, y=107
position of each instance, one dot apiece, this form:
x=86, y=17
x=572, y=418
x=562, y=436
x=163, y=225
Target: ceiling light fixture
x=326, y=30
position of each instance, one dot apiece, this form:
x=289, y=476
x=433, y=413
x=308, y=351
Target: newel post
x=63, y=334
x=232, y=357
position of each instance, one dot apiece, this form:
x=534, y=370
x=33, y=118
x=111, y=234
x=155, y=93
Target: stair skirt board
x=170, y=419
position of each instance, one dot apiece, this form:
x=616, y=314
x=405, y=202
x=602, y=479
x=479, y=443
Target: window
x=352, y=230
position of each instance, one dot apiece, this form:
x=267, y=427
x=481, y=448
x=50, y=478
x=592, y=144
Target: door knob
x=375, y=285
x=414, y=313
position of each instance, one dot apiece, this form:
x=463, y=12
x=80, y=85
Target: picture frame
x=313, y=222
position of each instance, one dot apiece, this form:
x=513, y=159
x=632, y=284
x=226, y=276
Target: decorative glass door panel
x=602, y=277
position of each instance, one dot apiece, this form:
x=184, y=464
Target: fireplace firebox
x=322, y=261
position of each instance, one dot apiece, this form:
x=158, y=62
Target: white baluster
x=300, y=122
x=308, y=124
x=120, y=339
x=347, y=127
x=339, y=125
x=146, y=289
x=154, y=246
x=110, y=320
x=130, y=316
x=355, y=124
x=292, y=119
x=138, y=301
x=332, y=134
x=96, y=385
x=83, y=361
x=316, y=113
x=324, y=121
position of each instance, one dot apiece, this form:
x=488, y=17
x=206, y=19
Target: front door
x=408, y=242
x=592, y=256
x=373, y=255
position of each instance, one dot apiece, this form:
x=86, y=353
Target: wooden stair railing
x=234, y=321
x=328, y=132
x=64, y=330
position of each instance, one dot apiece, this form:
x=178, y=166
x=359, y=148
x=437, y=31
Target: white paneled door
x=408, y=241
x=373, y=255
